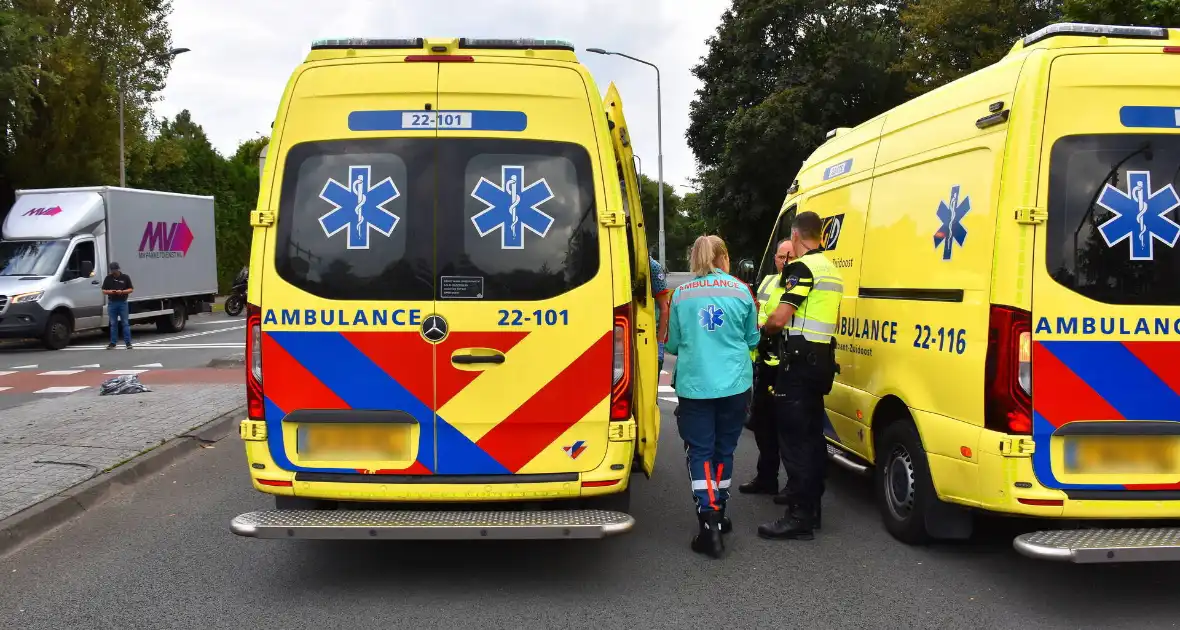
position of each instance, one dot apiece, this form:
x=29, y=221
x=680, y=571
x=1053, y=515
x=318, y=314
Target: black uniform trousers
x=799, y=409
x=762, y=422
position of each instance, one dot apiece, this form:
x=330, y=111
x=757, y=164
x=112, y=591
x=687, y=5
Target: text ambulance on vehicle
x=1010, y=332
x=448, y=306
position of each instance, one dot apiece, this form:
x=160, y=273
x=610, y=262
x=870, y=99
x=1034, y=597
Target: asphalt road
x=206, y=338
x=162, y=556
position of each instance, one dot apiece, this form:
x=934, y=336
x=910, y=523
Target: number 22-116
x=948, y=339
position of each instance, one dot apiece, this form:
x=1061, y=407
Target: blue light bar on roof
x=524, y=43
x=338, y=43
x=1096, y=30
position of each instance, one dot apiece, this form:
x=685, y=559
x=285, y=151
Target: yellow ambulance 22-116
x=1010, y=332
x=449, y=306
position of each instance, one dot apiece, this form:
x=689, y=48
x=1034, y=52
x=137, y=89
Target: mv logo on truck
x=43, y=212
x=162, y=239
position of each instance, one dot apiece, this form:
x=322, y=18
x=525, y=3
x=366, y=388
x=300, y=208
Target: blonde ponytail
x=707, y=253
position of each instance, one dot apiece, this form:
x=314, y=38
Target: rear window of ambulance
x=516, y=216
x=483, y=219
x=332, y=243
x=1112, y=230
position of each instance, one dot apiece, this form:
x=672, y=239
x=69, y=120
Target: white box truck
x=56, y=244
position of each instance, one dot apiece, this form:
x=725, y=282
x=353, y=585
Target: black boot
x=757, y=486
x=798, y=524
x=708, y=539
x=726, y=524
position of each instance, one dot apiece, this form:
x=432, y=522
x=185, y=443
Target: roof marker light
x=524, y=43
x=1096, y=30
x=340, y=43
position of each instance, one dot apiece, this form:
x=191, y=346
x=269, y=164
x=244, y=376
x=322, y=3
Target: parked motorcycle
x=236, y=302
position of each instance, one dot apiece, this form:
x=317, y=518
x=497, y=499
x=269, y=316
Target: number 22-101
x=948, y=339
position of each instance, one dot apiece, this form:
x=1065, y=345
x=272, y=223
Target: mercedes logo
x=434, y=329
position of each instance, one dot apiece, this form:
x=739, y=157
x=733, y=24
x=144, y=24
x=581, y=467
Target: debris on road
x=126, y=384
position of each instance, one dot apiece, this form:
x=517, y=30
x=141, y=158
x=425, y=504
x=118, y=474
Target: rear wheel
x=905, y=493
x=57, y=332
x=174, y=322
x=234, y=305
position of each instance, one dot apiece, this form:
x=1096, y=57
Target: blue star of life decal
x=712, y=317
x=951, y=231
x=359, y=207
x=1139, y=215
x=512, y=207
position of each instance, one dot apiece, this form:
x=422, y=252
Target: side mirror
x=746, y=271
x=87, y=268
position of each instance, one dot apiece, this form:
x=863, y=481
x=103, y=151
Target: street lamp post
x=659, y=137
x=122, y=83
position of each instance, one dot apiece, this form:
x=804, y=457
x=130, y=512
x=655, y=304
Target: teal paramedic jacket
x=712, y=329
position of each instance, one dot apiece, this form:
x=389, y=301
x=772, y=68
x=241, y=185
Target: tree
x=84, y=50
x=1124, y=12
x=947, y=39
x=778, y=75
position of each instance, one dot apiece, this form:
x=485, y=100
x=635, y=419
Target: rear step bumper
x=1087, y=546
x=432, y=525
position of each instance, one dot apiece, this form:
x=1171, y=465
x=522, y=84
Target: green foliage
x=682, y=224
x=779, y=74
x=181, y=159
x=1125, y=12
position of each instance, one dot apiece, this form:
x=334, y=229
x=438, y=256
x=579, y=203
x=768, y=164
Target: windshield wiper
x=1112, y=177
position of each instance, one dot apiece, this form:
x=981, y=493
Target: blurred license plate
x=355, y=442
x=1102, y=455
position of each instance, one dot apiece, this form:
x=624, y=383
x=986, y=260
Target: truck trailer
x=57, y=244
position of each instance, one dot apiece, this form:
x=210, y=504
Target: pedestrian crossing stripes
x=70, y=389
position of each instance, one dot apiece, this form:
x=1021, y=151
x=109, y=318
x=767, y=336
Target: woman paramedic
x=712, y=329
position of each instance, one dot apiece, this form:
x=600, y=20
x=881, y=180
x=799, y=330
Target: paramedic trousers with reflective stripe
x=710, y=428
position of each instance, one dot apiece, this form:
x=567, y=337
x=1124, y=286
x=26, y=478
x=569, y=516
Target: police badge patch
x=790, y=282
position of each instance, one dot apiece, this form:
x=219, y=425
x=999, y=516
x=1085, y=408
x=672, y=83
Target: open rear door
x=647, y=409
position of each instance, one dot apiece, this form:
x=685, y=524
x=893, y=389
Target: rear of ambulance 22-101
x=1100, y=382
x=436, y=319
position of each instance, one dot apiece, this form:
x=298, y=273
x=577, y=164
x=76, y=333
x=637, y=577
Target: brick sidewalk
x=50, y=445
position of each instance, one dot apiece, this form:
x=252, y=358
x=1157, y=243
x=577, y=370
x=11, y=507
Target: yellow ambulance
x=449, y=312
x=1010, y=332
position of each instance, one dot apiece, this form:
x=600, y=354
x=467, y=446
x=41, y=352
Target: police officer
x=765, y=369
x=805, y=324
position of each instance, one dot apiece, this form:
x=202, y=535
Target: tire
x=618, y=502
x=175, y=322
x=905, y=493
x=57, y=332
x=301, y=503
x=234, y=305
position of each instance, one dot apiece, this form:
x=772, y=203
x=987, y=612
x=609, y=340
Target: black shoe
x=128, y=346
x=757, y=486
x=780, y=498
x=708, y=539
x=797, y=525
x=726, y=524
x=111, y=347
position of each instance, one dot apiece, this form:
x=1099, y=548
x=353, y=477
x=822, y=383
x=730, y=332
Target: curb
x=34, y=521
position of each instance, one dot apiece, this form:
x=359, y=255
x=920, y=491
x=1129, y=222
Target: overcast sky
x=243, y=52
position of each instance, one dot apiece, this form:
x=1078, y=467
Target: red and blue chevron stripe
x=1087, y=381
x=397, y=370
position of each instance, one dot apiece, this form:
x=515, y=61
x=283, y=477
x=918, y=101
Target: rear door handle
x=470, y=359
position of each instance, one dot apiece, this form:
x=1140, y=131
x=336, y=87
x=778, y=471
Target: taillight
x=255, y=405
x=620, y=398
x=1008, y=371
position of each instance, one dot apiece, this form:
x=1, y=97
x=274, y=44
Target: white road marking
x=3, y=389
x=61, y=372
x=151, y=365
x=669, y=399
x=220, y=322
x=125, y=372
x=24, y=367
x=190, y=336
x=173, y=346
x=6, y=373
x=87, y=367
x=666, y=389
x=61, y=390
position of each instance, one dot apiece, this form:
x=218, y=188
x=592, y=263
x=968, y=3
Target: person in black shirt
x=117, y=286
